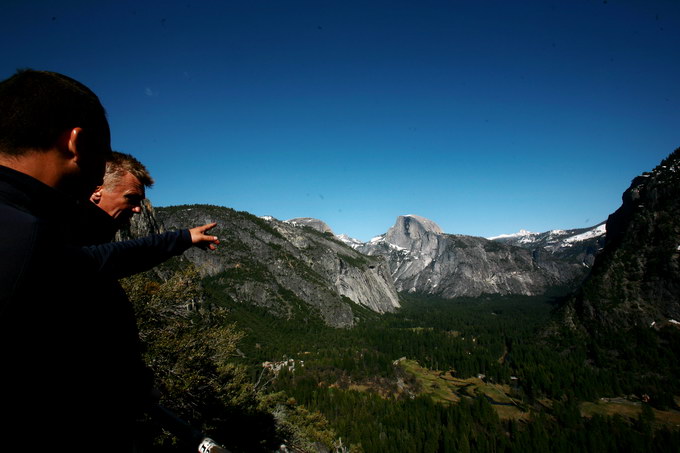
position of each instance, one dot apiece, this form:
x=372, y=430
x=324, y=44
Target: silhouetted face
x=93, y=161
x=122, y=199
x=94, y=149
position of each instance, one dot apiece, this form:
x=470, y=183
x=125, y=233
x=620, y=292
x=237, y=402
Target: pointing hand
x=202, y=240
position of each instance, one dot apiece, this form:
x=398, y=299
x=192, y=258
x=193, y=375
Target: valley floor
x=499, y=378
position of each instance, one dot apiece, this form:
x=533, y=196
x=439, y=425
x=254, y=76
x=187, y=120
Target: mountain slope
x=286, y=267
x=636, y=279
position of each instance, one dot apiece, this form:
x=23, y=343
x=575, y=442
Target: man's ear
x=75, y=143
x=69, y=144
x=96, y=197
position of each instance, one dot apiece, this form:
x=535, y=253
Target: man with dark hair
x=38, y=106
x=42, y=112
x=54, y=141
x=67, y=380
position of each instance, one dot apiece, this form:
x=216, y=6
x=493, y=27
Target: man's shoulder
x=16, y=220
x=27, y=234
x=25, y=238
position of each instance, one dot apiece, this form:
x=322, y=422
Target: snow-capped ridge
x=553, y=239
x=520, y=233
x=350, y=241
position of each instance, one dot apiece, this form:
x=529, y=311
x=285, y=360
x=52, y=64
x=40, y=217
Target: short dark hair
x=36, y=107
x=120, y=163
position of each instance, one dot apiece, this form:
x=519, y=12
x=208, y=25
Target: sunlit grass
x=629, y=410
x=444, y=388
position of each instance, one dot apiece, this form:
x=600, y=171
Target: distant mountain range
x=281, y=265
x=576, y=245
x=285, y=265
x=557, y=241
x=424, y=259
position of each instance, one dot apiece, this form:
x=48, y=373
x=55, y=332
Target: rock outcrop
x=635, y=281
x=142, y=224
x=318, y=225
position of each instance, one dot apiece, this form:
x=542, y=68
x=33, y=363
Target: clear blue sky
x=484, y=116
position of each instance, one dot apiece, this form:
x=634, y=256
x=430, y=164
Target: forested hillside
x=439, y=375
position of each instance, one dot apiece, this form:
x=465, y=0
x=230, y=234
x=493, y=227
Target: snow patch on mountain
x=354, y=243
x=519, y=234
x=598, y=231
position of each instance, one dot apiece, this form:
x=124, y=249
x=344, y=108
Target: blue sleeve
x=122, y=259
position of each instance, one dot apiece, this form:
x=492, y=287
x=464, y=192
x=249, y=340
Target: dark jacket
x=70, y=373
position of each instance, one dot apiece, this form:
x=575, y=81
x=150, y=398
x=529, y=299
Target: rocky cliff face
x=286, y=265
x=316, y=224
x=142, y=224
x=423, y=259
x=635, y=281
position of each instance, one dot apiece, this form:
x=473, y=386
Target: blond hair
x=119, y=164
